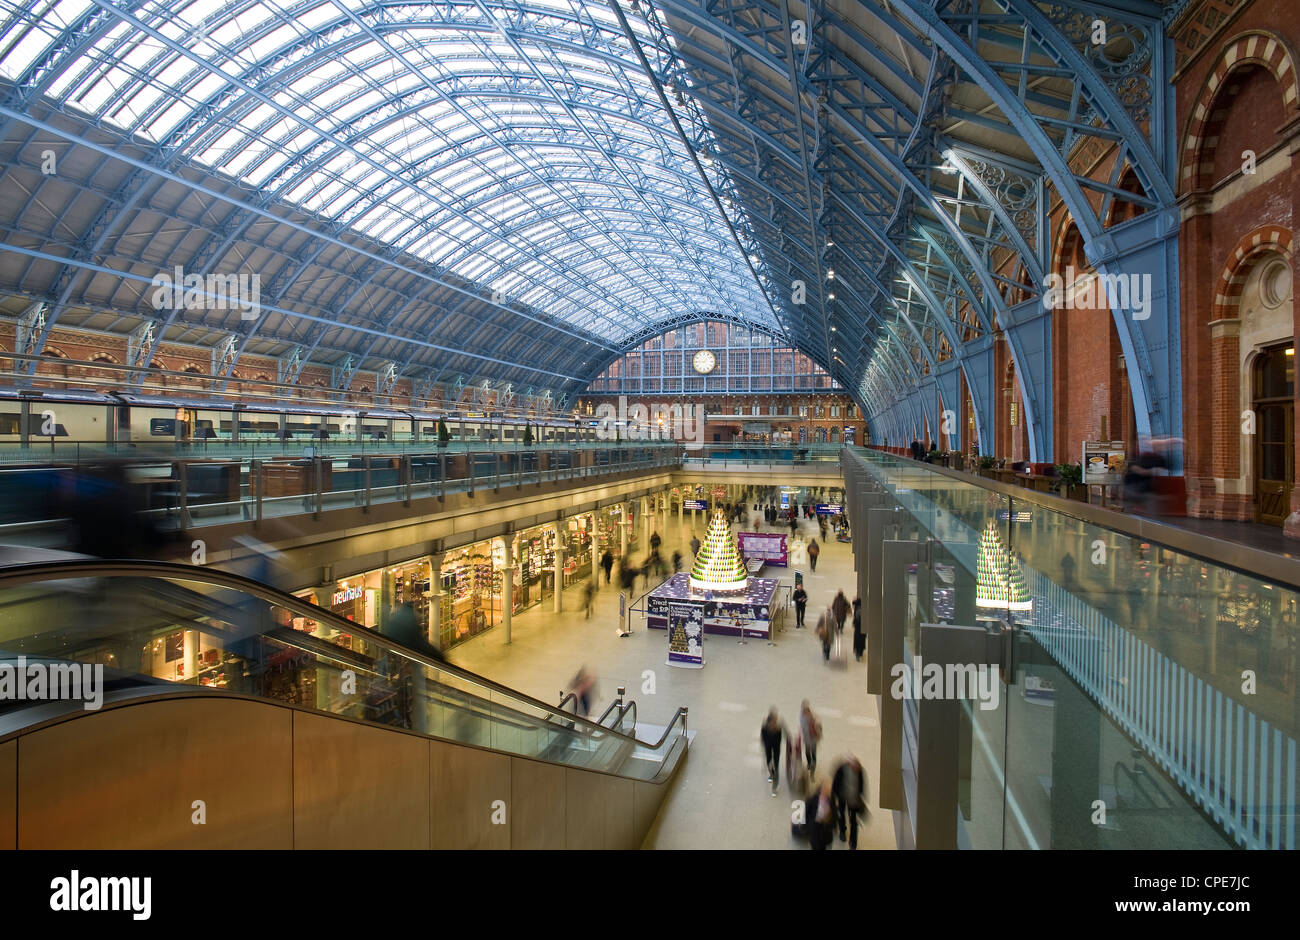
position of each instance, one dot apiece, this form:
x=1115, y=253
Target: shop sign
x=347, y=594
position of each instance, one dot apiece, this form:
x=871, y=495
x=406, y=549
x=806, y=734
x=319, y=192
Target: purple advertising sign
x=685, y=635
x=768, y=546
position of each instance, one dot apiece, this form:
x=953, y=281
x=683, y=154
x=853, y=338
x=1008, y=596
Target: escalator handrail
x=98, y=568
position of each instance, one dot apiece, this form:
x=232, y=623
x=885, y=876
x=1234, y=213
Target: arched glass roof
x=520, y=148
x=519, y=191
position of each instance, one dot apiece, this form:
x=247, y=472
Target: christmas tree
x=999, y=581
x=719, y=565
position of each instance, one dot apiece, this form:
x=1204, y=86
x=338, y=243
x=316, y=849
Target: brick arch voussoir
x=1232, y=279
x=1254, y=48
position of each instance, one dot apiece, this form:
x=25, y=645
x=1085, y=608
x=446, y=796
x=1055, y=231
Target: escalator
x=143, y=635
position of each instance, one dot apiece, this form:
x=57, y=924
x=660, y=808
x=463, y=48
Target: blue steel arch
x=915, y=262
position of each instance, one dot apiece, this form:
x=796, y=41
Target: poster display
x=765, y=545
x=691, y=504
x=685, y=635
x=1103, y=462
x=737, y=619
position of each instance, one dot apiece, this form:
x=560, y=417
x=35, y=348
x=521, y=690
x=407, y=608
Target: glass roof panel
x=499, y=145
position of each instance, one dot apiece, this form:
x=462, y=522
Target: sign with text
x=685, y=635
x=692, y=504
x=765, y=545
x=830, y=509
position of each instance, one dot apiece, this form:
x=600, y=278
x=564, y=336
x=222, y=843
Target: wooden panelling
x=466, y=782
x=537, y=807
x=358, y=787
x=274, y=777
x=620, y=821
x=128, y=777
x=9, y=795
x=646, y=798
x=584, y=810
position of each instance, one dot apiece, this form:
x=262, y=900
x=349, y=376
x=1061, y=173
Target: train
x=99, y=418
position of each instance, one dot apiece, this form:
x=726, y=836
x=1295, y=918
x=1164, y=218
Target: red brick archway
x=1256, y=48
x=1267, y=239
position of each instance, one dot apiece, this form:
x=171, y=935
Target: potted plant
x=528, y=435
x=1070, y=481
x=934, y=456
x=987, y=465
x=444, y=436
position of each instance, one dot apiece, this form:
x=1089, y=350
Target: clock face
x=704, y=362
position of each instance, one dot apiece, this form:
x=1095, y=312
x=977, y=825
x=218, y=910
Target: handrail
x=1254, y=562
x=631, y=609
x=82, y=568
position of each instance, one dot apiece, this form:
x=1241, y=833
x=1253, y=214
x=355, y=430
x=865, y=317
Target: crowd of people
x=831, y=803
x=832, y=799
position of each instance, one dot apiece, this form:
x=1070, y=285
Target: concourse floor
x=721, y=797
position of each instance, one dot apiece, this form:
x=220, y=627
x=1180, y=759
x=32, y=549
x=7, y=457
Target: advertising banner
x=1103, y=462
x=701, y=504
x=656, y=612
x=830, y=509
x=737, y=618
x=685, y=635
x=765, y=545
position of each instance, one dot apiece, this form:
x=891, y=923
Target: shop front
x=577, y=548
x=472, y=586
x=534, y=567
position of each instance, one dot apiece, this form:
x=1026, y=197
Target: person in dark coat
x=813, y=551
x=821, y=817
x=848, y=800
x=607, y=562
x=800, y=606
x=770, y=733
x=840, y=608
x=859, y=632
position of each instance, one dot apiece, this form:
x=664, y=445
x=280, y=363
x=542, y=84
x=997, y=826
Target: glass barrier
x=1152, y=700
x=182, y=495
x=207, y=630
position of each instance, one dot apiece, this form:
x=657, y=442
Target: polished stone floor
x=721, y=797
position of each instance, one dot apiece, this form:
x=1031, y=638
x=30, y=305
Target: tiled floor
x=721, y=798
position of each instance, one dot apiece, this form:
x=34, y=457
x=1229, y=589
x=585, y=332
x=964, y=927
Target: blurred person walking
x=584, y=689
x=859, y=633
x=821, y=818
x=826, y=632
x=813, y=551
x=607, y=562
x=848, y=801
x=840, y=608
x=810, y=732
x=770, y=733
